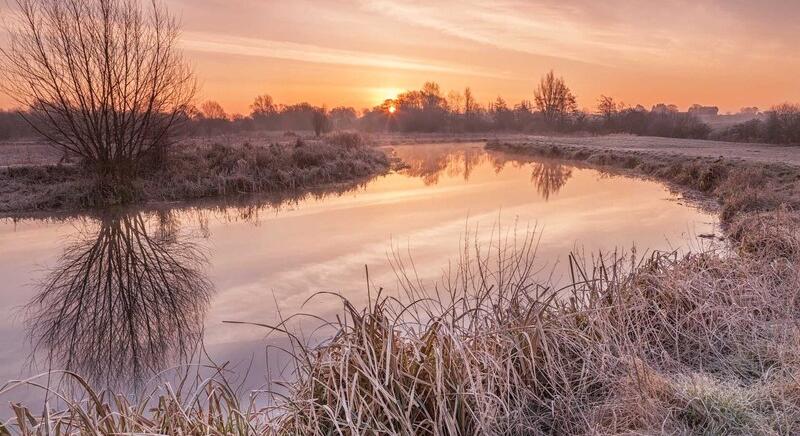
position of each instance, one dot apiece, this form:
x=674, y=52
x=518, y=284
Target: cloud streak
x=620, y=32
x=534, y=29
x=293, y=51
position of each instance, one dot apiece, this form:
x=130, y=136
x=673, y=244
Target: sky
x=729, y=53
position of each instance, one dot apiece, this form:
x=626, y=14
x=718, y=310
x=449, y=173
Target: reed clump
x=216, y=169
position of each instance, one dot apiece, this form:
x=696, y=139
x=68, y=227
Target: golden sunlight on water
x=265, y=262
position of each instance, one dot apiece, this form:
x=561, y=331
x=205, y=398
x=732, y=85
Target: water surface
x=121, y=295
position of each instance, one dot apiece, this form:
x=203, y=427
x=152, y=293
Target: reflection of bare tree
x=123, y=301
x=431, y=162
x=549, y=177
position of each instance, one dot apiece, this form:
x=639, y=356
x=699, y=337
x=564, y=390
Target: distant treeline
x=553, y=110
x=781, y=125
x=14, y=126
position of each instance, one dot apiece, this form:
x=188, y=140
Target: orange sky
x=730, y=53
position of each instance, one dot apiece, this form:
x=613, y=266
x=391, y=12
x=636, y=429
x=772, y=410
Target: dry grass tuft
x=225, y=170
x=775, y=234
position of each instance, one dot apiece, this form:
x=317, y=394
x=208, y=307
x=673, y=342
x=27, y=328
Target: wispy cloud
x=536, y=29
x=621, y=32
x=235, y=45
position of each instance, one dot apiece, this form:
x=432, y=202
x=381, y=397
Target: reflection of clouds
x=123, y=299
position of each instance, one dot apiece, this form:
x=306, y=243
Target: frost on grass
x=199, y=170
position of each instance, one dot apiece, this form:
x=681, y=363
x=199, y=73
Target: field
x=768, y=153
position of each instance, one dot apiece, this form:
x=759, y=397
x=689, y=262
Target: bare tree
x=607, y=107
x=320, y=121
x=469, y=102
x=343, y=118
x=101, y=79
x=213, y=111
x=263, y=106
x=553, y=98
x=455, y=101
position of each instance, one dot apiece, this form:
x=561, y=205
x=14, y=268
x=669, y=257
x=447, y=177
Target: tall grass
x=204, y=170
x=701, y=343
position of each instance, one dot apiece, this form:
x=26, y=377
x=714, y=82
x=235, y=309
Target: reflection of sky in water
x=286, y=256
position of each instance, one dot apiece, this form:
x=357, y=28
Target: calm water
x=121, y=295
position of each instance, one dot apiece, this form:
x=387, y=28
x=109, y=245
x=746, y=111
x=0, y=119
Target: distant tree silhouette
x=553, y=98
x=607, y=107
x=700, y=110
x=213, y=111
x=455, y=101
x=470, y=107
x=13, y=125
x=320, y=121
x=263, y=106
x=783, y=124
x=662, y=108
x=502, y=116
x=343, y=118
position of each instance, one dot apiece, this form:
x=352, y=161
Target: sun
x=392, y=109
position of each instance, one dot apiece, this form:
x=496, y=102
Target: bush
x=346, y=140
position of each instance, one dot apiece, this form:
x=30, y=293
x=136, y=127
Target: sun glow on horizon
x=380, y=95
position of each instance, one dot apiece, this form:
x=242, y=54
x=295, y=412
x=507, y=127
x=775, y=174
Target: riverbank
x=739, y=186
x=704, y=343
x=198, y=169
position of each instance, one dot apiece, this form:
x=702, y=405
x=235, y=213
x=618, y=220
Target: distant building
x=704, y=111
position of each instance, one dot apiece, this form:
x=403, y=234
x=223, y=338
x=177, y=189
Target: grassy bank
x=705, y=343
x=737, y=187
x=199, y=170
